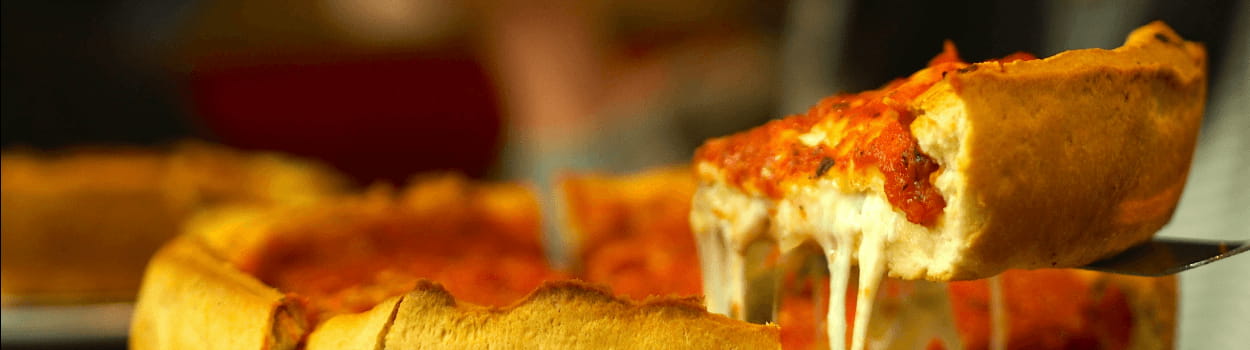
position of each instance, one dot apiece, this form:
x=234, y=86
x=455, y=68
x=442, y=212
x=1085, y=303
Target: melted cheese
x=839, y=274
x=763, y=184
x=871, y=270
x=851, y=228
x=724, y=224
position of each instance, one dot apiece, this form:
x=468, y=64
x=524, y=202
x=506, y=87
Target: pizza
x=80, y=224
x=959, y=171
x=443, y=263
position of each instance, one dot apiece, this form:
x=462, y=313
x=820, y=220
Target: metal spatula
x=1165, y=256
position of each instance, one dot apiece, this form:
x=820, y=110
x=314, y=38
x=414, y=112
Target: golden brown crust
x=569, y=315
x=1080, y=155
x=365, y=330
x=191, y=299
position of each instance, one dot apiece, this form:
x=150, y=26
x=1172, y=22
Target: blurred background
x=521, y=90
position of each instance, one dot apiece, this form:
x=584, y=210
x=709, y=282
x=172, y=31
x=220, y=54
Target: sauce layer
x=848, y=136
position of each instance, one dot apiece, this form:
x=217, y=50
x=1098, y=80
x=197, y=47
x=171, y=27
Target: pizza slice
x=959, y=171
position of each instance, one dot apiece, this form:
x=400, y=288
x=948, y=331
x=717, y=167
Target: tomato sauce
x=878, y=136
x=353, y=268
x=635, y=233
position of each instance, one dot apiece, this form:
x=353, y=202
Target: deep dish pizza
x=446, y=263
x=960, y=171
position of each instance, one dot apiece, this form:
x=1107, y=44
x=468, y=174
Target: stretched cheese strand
x=746, y=281
x=871, y=270
x=998, y=315
x=722, y=240
x=727, y=223
x=839, y=273
x=712, y=255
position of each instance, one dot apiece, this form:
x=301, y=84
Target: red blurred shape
x=375, y=119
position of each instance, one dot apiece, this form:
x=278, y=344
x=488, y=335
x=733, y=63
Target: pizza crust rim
x=1066, y=185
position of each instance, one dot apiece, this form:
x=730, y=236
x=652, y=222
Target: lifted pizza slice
x=959, y=171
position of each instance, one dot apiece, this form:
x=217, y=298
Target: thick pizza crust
x=569, y=315
x=1056, y=162
x=365, y=330
x=191, y=299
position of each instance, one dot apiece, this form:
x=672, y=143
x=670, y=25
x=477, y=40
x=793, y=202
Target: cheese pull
x=737, y=287
x=735, y=283
x=957, y=172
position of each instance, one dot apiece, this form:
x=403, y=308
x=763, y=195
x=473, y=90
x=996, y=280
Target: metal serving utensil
x=1160, y=256
x=1166, y=255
